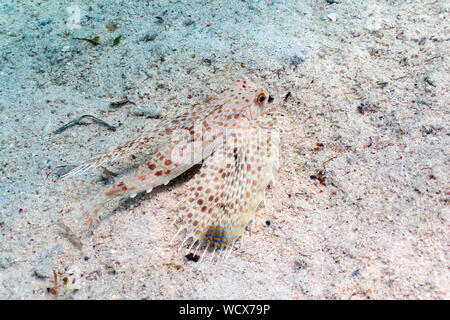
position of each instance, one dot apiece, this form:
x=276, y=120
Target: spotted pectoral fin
x=134, y=152
x=223, y=196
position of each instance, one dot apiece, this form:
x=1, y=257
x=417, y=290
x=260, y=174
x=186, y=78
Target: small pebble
x=111, y=26
x=191, y=257
x=332, y=17
x=300, y=264
x=150, y=36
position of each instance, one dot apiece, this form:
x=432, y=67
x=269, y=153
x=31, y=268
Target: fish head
x=246, y=98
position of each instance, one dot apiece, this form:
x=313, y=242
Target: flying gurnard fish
x=235, y=142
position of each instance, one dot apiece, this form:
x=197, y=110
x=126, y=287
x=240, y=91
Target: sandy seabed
x=359, y=206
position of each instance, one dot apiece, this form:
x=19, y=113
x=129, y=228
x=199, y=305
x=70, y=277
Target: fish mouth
x=270, y=100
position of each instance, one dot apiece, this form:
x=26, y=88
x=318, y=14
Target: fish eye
x=261, y=98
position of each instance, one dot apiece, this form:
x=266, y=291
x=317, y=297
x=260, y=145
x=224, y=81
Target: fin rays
x=223, y=196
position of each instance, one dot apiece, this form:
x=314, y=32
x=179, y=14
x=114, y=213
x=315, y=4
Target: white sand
x=369, y=104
